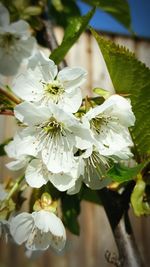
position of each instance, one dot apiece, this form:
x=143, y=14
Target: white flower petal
x=43, y=67
x=63, y=116
x=71, y=101
x=94, y=182
x=20, y=27
x=84, y=138
x=31, y=114
x=49, y=222
x=57, y=158
x=63, y=181
x=122, y=110
x=27, y=87
x=38, y=240
x=76, y=188
x=21, y=226
x=72, y=77
x=35, y=174
x=17, y=164
x=4, y=16
x=25, y=48
x=114, y=107
x=15, y=150
x=28, y=145
x=8, y=64
x=111, y=142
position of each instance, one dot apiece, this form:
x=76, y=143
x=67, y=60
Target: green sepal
x=120, y=173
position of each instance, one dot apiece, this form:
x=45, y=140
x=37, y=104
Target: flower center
x=54, y=89
x=97, y=164
x=97, y=122
x=7, y=40
x=53, y=127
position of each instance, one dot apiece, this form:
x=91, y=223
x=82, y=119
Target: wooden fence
x=96, y=237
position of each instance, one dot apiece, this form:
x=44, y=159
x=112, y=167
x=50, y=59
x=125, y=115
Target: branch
x=47, y=36
x=15, y=187
x=10, y=96
x=7, y=112
x=116, y=207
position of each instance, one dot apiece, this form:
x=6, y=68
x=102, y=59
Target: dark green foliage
x=118, y=9
x=71, y=210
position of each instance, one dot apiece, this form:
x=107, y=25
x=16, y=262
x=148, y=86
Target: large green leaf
x=119, y=9
x=130, y=76
x=73, y=31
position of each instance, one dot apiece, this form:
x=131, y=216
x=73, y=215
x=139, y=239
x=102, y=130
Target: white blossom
x=16, y=43
x=109, y=124
x=38, y=230
x=92, y=169
x=53, y=134
x=43, y=84
x=37, y=175
x=18, y=150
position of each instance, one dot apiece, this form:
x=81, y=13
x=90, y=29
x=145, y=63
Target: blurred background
x=96, y=237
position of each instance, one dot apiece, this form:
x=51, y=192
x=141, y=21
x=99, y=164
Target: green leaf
x=120, y=173
x=102, y=92
x=2, y=150
x=62, y=11
x=139, y=204
x=75, y=28
x=71, y=210
x=130, y=76
x=118, y=9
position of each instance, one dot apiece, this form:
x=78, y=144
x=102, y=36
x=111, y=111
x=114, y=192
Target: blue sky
x=140, y=11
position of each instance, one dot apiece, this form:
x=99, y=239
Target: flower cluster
x=53, y=142
x=59, y=140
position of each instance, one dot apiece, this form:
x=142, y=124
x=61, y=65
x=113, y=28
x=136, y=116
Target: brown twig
x=7, y=112
x=10, y=96
x=49, y=36
x=51, y=40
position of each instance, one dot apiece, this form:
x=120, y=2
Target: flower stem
x=15, y=187
x=10, y=96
